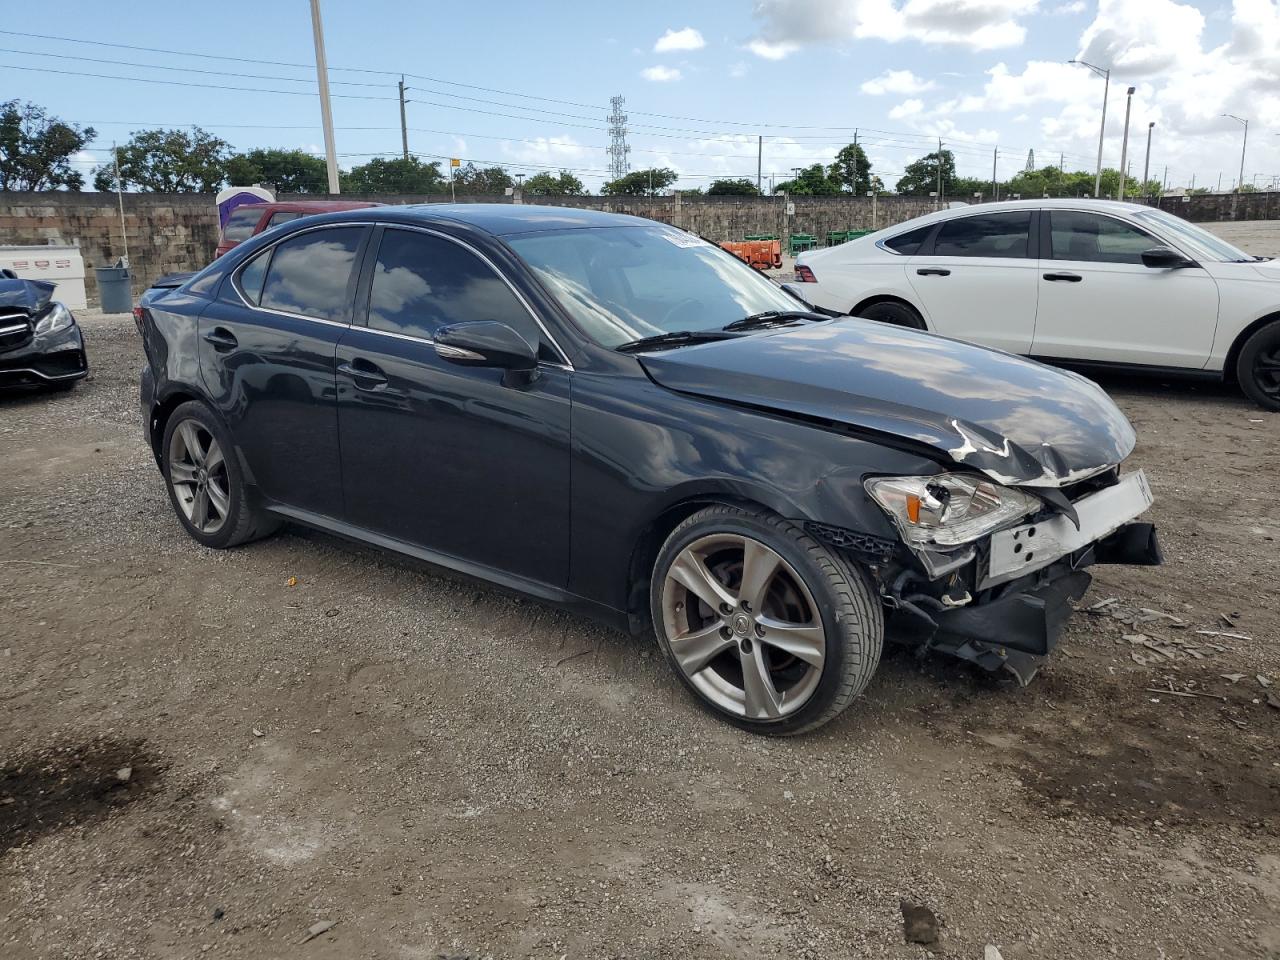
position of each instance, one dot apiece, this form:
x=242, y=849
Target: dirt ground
x=197, y=759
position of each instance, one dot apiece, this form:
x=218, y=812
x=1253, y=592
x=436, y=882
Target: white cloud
x=1069, y=9
x=738, y=69
x=977, y=24
x=548, y=151
x=772, y=51
x=897, y=81
x=908, y=108
x=660, y=74
x=686, y=39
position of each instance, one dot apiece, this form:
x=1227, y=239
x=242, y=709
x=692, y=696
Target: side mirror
x=486, y=343
x=1164, y=258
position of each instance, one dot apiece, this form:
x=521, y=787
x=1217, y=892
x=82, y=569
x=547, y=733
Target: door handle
x=221, y=338
x=933, y=272
x=364, y=374
x=1068, y=277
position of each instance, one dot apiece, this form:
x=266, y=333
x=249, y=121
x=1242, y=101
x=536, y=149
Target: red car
x=252, y=218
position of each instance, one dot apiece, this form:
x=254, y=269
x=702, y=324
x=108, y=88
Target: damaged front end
x=991, y=578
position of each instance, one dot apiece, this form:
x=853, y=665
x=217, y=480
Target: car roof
x=1115, y=207
x=319, y=206
x=502, y=219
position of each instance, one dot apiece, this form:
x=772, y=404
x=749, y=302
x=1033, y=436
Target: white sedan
x=1079, y=282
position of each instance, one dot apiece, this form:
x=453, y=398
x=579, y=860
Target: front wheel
x=893, y=312
x=1258, y=367
x=768, y=627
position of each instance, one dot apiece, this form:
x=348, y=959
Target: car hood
x=1017, y=421
x=30, y=295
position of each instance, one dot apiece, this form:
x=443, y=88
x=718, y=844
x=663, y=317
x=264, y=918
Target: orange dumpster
x=761, y=254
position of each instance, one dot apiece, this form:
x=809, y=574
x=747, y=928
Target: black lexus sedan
x=40, y=341
x=612, y=414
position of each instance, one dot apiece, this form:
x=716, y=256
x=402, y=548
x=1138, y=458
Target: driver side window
x=1090, y=238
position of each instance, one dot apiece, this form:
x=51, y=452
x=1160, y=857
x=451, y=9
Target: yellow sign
x=455, y=162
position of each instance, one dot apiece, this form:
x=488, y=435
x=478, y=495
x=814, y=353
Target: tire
x=1258, y=367
x=893, y=312
x=198, y=458
x=810, y=663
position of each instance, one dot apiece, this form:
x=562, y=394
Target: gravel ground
x=198, y=759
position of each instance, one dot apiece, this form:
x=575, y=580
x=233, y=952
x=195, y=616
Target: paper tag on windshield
x=681, y=239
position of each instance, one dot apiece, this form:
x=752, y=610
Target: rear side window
x=252, y=274
x=1091, y=238
x=422, y=282
x=282, y=216
x=310, y=273
x=240, y=223
x=908, y=243
x=988, y=235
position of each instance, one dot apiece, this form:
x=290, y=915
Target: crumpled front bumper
x=1015, y=624
x=48, y=358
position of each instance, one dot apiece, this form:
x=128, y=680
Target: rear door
x=446, y=457
x=1099, y=302
x=976, y=278
x=267, y=348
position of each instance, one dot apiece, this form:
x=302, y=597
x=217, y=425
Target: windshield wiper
x=773, y=318
x=677, y=338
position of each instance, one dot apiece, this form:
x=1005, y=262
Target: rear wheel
x=1258, y=367
x=206, y=485
x=768, y=627
x=893, y=311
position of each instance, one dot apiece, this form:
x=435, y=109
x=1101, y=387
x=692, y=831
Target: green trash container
x=113, y=289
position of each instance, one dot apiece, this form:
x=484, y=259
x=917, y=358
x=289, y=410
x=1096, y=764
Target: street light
x=1102, y=132
x=1146, y=166
x=1243, y=144
x=1124, y=142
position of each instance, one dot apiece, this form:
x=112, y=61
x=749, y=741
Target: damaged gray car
x=40, y=342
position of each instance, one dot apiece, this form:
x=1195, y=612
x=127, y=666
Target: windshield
x=624, y=283
x=1205, y=245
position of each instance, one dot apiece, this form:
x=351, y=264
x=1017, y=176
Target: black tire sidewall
x=1264, y=337
x=751, y=525
x=896, y=314
x=193, y=410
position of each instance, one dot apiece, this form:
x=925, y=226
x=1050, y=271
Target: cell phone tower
x=618, y=148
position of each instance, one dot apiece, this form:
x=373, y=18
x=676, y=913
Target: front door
x=266, y=351
x=977, y=280
x=1098, y=302
x=446, y=457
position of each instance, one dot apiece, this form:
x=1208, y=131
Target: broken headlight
x=949, y=509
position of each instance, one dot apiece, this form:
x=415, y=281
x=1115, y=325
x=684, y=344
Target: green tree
x=486, y=181
x=852, y=158
x=289, y=171
x=169, y=161
x=545, y=184
x=920, y=178
x=398, y=175
x=641, y=183
x=741, y=187
x=811, y=181
x=36, y=149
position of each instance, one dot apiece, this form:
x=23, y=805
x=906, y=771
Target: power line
x=180, y=83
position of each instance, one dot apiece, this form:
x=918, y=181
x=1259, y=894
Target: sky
x=527, y=85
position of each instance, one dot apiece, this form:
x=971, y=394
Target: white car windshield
x=623, y=284
x=1203, y=243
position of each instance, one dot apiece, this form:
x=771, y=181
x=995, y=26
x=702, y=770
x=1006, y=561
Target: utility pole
x=1165, y=189
x=1124, y=143
x=1219, y=189
x=124, y=233
x=759, y=161
x=939, y=173
x=1192, y=188
x=1243, y=145
x=404, y=129
x=326, y=115
x=1146, y=164
x=855, y=161
x=1102, y=132
x=995, y=184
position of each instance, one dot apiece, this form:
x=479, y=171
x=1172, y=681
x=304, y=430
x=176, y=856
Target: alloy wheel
x=198, y=474
x=743, y=627
x=1266, y=370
